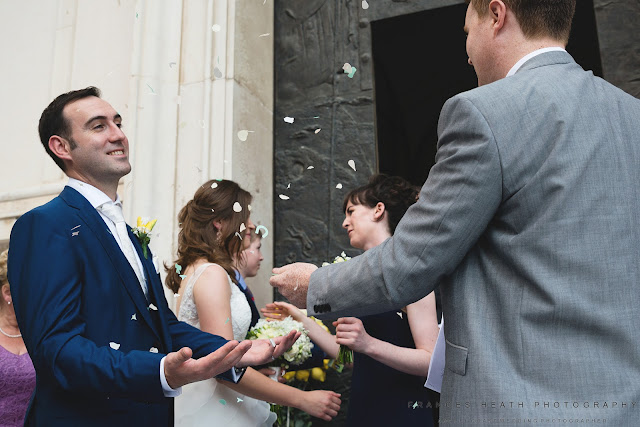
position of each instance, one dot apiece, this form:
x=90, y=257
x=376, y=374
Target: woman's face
x=361, y=224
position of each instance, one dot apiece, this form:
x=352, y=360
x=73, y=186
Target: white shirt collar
x=92, y=194
x=519, y=64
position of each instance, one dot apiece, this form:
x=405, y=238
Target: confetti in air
x=352, y=164
x=153, y=92
x=346, y=68
x=249, y=207
x=244, y=134
x=317, y=130
x=239, y=236
x=171, y=64
x=176, y=295
x=288, y=186
x=365, y=5
x=415, y=405
x=289, y=119
x=217, y=73
x=237, y=207
x=75, y=233
x=134, y=317
x=399, y=313
x=75, y=227
x=262, y=227
x=264, y=35
x=239, y=400
x=178, y=268
x=214, y=185
x=182, y=276
x=226, y=321
x=339, y=186
x=114, y=345
x=224, y=402
x=242, y=227
x=153, y=307
x=310, y=167
x=153, y=350
x=283, y=197
x=215, y=28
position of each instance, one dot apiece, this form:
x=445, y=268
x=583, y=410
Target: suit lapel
x=121, y=265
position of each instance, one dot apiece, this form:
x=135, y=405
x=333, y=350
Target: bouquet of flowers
x=142, y=230
x=301, y=349
x=345, y=354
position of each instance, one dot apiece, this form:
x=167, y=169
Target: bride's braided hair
x=198, y=237
x=395, y=192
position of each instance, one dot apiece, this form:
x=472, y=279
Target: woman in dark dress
x=392, y=350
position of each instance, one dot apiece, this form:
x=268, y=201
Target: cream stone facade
x=186, y=75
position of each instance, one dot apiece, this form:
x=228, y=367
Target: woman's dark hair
x=198, y=237
x=395, y=192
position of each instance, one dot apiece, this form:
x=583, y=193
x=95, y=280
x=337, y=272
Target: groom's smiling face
x=99, y=150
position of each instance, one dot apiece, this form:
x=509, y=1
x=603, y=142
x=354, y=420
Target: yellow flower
x=302, y=375
x=325, y=364
x=288, y=376
x=322, y=325
x=149, y=226
x=318, y=374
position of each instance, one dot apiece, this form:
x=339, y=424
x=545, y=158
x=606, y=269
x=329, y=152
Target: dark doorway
x=419, y=62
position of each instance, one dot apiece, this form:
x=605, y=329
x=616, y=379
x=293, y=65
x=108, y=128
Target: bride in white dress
x=215, y=228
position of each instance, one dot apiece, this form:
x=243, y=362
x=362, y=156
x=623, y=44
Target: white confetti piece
x=242, y=227
x=215, y=28
x=75, y=233
x=346, y=68
x=134, y=317
x=249, y=207
x=365, y=5
x=176, y=295
x=289, y=119
x=288, y=186
x=283, y=197
x=217, y=73
x=317, y=131
x=214, y=185
x=239, y=236
x=76, y=227
x=310, y=167
x=264, y=35
x=352, y=164
x=399, y=313
x=339, y=186
x=153, y=307
x=114, y=345
x=153, y=350
x=237, y=207
x=239, y=400
x=243, y=134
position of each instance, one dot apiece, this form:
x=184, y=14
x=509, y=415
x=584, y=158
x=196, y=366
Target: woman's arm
x=415, y=361
x=279, y=310
x=323, y=404
x=212, y=296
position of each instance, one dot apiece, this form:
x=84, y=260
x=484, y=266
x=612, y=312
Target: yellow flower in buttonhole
x=142, y=231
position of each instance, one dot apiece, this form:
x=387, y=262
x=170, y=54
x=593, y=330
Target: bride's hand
x=350, y=332
x=279, y=310
x=322, y=404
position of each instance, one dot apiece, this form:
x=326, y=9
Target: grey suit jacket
x=530, y=221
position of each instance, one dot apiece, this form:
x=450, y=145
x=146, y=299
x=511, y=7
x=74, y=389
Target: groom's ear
x=60, y=147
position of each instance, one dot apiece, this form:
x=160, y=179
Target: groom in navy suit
x=106, y=347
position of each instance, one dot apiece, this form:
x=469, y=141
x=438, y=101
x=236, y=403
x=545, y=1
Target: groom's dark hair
x=52, y=121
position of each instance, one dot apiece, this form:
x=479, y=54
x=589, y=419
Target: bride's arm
x=323, y=404
x=212, y=296
x=415, y=361
x=279, y=310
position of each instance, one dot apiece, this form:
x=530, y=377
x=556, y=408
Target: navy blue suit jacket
x=76, y=297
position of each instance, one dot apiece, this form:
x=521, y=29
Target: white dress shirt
x=524, y=59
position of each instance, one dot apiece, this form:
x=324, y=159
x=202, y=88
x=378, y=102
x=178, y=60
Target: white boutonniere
x=142, y=230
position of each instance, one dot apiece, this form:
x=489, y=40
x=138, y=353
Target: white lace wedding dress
x=211, y=403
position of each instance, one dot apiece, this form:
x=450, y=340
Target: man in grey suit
x=529, y=221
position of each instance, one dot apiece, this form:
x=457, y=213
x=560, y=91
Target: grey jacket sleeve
x=458, y=200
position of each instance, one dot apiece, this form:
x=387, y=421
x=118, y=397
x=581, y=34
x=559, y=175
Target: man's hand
x=181, y=369
x=292, y=281
x=263, y=352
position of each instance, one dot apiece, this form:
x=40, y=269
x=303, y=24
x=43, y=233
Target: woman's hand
x=279, y=310
x=321, y=404
x=350, y=332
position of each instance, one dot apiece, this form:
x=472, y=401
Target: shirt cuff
x=168, y=391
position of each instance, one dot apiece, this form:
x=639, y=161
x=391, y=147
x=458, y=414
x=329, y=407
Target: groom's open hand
x=262, y=351
x=292, y=281
x=181, y=369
